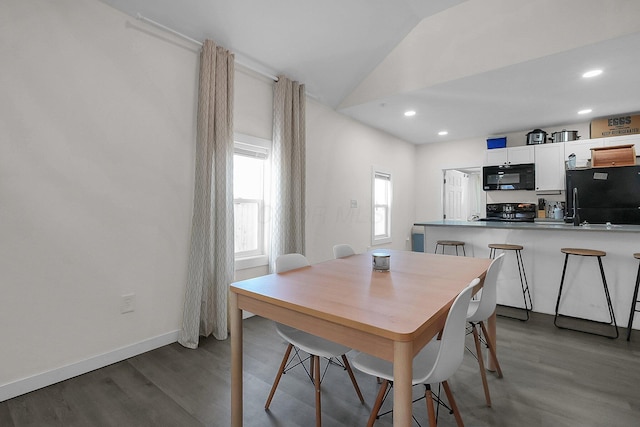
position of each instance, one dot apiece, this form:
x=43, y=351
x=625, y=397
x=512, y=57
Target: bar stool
x=454, y=243
x=634, y=308
x=526, y=295
x=587, y=253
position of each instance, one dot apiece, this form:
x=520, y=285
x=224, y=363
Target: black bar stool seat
x=634, y=301
x=588, y=253
x=455, y=243
x=526, y=294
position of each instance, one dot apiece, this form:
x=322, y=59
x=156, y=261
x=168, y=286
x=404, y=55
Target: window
x=381, y=207
x=250, y=188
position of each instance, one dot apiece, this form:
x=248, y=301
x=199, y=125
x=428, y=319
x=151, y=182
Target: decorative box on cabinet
x=619, y=155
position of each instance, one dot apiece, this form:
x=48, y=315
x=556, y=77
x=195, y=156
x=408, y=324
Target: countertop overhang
x=546, y=225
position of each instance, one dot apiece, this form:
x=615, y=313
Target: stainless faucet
x=576, y=216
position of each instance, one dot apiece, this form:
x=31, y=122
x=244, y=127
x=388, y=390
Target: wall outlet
x=354, y=203
x=127, y=303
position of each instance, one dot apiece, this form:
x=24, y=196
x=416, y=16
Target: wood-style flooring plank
x=552, y=377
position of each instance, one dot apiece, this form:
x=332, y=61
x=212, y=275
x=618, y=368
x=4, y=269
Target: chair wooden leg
x=278, y=375
x=353, y=378
x=452, y=403
x=312, y=372
x=483, y=374
x=492, y=349
x=316, y=377
x=378, y=403
x=428, y=396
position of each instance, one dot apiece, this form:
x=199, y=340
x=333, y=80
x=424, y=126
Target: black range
x=515, y=212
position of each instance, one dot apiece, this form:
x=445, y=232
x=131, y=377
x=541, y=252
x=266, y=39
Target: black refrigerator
x=604, y=194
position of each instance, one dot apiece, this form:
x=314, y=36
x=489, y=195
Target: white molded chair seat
x=315, y=346
x=478, y=312
x=343, y=250
x=435, y=363
x=311, y=344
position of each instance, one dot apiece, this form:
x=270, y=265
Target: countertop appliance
x=565, y=135
x=536, y=136
x=516, y=212
x=509, y=177
x=603, y=195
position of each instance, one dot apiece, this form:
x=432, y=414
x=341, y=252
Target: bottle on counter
x=557, y=212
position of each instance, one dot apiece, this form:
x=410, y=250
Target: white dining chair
x=342, y=250
x=315, y=346
x=479, y=312
x=434, y=364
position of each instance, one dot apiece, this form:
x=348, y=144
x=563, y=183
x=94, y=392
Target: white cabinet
x=582, y=150
x=509, y=156
x=496, y=156
x=549, y=167
x=521, y=155
x=623, y=140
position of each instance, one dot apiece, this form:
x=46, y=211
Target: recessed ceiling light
x=586, y=111
x=592, y=73
x=410, y=113
x=443, y=132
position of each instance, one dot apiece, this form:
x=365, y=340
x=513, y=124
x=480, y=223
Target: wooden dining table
x=389, y=314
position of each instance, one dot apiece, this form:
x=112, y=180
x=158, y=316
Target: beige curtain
x=211, y=254
x=288, y=164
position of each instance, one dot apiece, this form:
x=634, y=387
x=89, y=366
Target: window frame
x=377, y=172
x=252, y=146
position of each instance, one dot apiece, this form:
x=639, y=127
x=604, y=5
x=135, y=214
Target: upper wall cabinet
x=621, y=140
x=509, y=156
x=582, y=148
x=549, y=167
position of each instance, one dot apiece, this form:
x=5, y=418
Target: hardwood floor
x=552, y=377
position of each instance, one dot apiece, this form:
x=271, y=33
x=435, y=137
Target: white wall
x=96, y=182
x=430, y=160
x=340, y=156
x=97, y=147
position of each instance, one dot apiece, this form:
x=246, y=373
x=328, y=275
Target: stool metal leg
x=612, y=316
x=607, y=296
x=524, y=284
x=634, y=303
x=526, y=294
x=564, y=270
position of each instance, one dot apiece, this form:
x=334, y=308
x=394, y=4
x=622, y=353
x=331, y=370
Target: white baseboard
x=35, y=382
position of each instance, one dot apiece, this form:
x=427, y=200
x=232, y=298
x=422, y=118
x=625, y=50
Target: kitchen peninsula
x=583, y=295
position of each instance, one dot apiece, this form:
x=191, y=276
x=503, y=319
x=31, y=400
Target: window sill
x=251, y=262
x=383, y=241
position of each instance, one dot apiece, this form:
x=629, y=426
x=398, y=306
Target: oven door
x=508, y=177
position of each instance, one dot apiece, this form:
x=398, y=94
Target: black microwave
x=509, y=177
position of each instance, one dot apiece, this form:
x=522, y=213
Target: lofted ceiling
x=475, y=68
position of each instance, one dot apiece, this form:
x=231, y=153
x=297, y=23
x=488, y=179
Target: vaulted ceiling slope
x=330, y=45
x=474, y=68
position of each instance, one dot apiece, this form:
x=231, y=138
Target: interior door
x=454, y=195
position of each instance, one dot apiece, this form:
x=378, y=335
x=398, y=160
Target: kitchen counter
x=538, y=225
x=542, y=241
